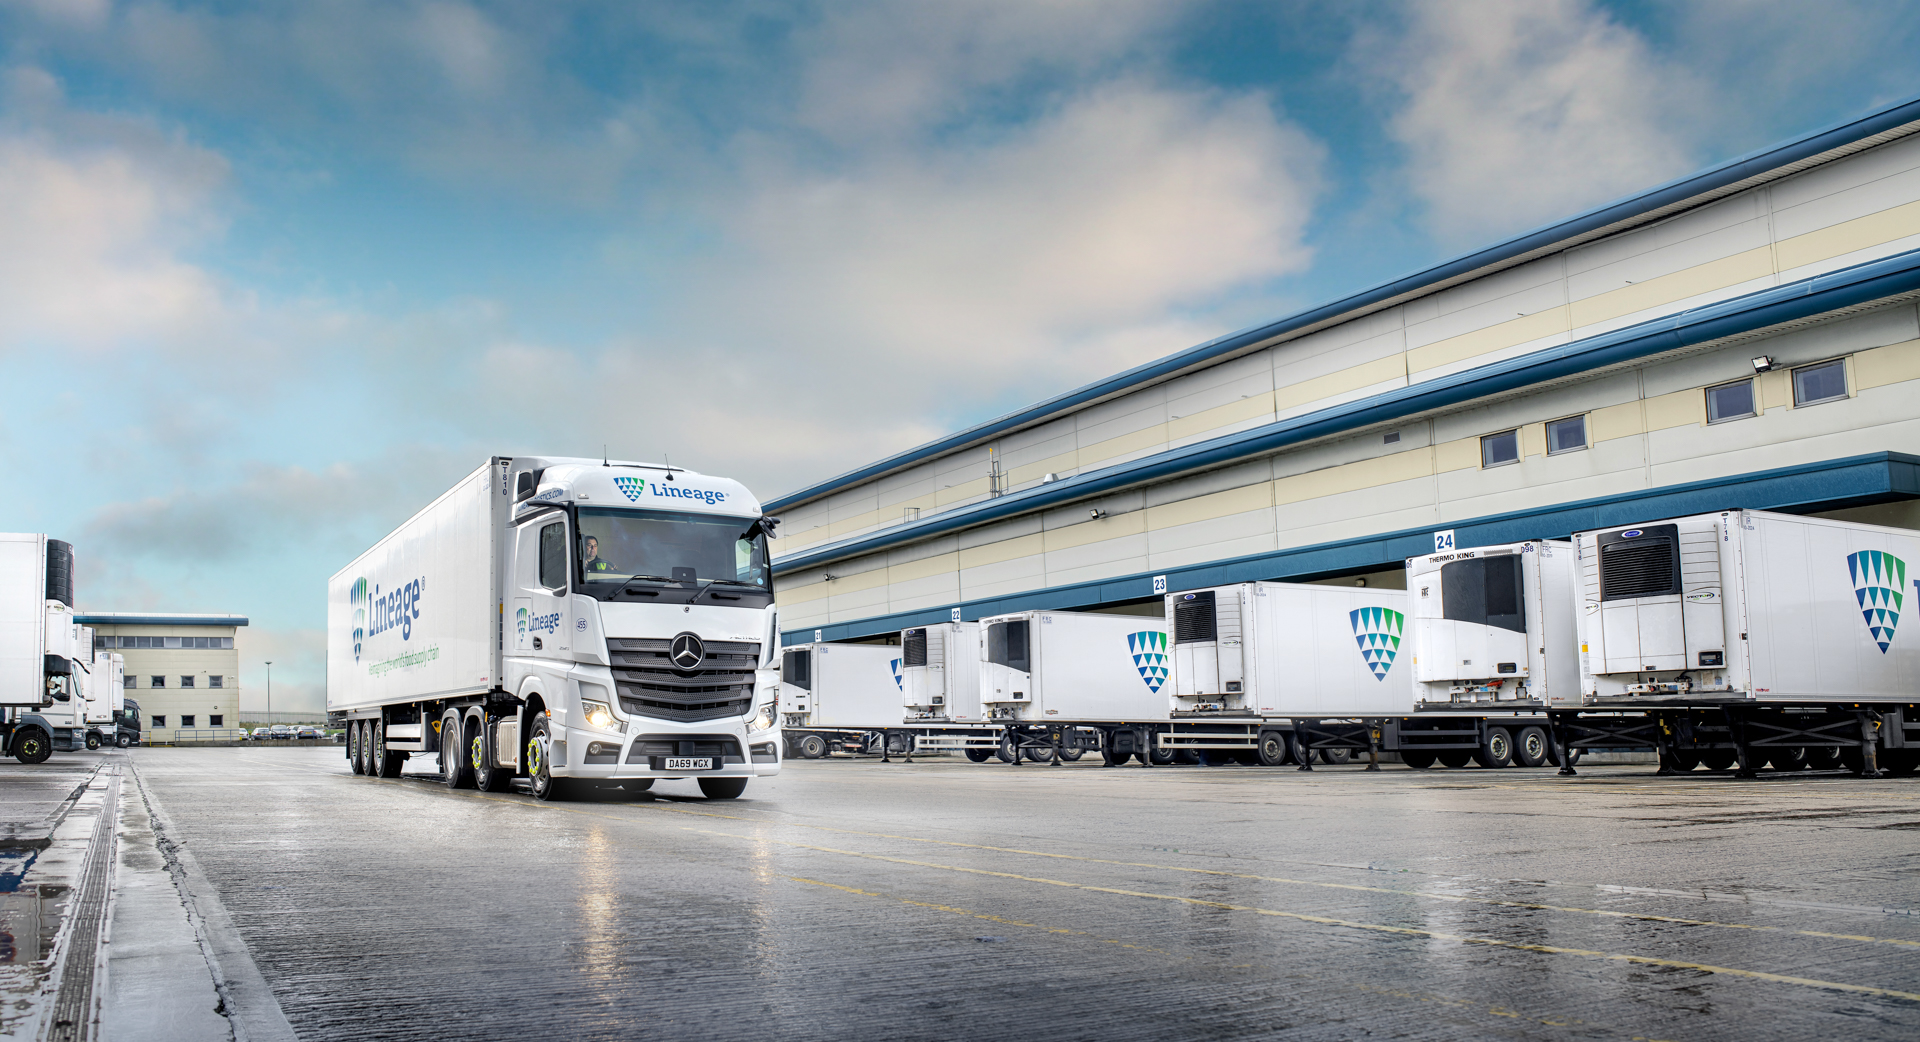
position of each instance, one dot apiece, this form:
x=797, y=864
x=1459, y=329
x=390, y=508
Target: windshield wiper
x=636, y=578
x=735, y=582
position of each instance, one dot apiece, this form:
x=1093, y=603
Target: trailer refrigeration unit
x=1284, y=671
x=36, y=643
x=566, y=621
x=1493, y=646
x=1060, y=683
x=1747, y=638
x=940, y=679
x=839, y=696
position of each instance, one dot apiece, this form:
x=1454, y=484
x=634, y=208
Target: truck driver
x=594, y=562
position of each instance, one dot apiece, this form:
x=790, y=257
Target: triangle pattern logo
x=1149, y=648
x=1878, y=578
x=1378, y=631
x=898, y=681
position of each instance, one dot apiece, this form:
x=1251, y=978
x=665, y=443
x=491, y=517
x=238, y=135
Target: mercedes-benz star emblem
x=686, y=652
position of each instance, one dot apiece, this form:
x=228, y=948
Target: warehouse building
x=183, y=669
x=1743, y=337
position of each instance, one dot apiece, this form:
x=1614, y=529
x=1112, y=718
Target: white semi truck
x=567, y=621
x=1746, y=638
x=37, y=690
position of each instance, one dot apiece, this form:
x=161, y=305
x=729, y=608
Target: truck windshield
x=617, y=546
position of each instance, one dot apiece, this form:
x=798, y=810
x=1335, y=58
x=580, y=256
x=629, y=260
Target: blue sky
x=273, y=275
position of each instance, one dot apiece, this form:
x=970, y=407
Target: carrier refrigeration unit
x=940, y=674
x=1746, y=638
x=567, y=621
x=1062, y=682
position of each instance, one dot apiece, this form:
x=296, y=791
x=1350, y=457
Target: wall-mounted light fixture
x=1096, y=513
x=1763, y=364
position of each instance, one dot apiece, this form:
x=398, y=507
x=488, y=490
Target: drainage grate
x=73, y=1005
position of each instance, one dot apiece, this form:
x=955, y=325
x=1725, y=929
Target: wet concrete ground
x=853, y=900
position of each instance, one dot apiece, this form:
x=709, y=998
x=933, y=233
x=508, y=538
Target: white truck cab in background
x=564, y=620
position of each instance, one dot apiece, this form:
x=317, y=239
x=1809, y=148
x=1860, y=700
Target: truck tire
x=485, y=778
x=93, y=739
x=1719, y=760
x=1108, y=757
x=1455, y=758
x=979, y=755
x=1823, y=758
x=1274, y=749
x=32, y=744
x=811, y=746
x=1336, y=757
x=1530, y=747
x=540, y=779
x=1007, y=750
x=1070, y=749
x=1496, y=749
x=1417, y=761
x=454, y=770
x=123, y=740
x=722, y=788
x=1683, y=761
x=357, y=746
x=381, y=761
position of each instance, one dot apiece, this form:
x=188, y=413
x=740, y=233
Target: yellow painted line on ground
x=1322, y=920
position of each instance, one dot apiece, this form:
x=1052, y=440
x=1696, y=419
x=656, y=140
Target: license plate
x=688, y=763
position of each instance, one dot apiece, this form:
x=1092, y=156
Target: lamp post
x=269, y=692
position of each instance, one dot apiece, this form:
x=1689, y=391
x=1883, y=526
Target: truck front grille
x=650, y=686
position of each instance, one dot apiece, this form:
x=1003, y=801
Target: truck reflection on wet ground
x=850, y=899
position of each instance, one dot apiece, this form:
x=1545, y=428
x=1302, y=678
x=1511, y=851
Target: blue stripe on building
x=1832, y=484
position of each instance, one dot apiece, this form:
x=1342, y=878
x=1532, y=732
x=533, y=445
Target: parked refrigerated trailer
x=37, y=635
x=841, y=698
x=106, y=698
x=940, y=676
x=1744, y=639
x=565, y=621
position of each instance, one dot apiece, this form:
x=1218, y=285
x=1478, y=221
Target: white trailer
x=838, y=696
x=106, y=698
x=1059, y=683
x=1753, y=637
x=36, y=645
x=563, y=620
x=940, y=671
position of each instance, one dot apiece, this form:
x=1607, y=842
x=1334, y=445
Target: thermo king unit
x=1493, y=627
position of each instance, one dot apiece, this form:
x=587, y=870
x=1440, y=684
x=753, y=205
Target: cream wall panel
x=1848, y=236
x=1679, y=409
x=1616, y=421
x=1510, y=333
x=1105, y=553
x=1533, y=439
x=961, y=491
x=1391, y=369
x=1346, y=507
x=1192, y=486
x=1456, y=455
x=1526, y=288
x=1741, y=267
x=1211, y=422
x=1202, y=508
x=1382, y=470
x=1088, y=532
x=1861, y=184
x=1887, y=365
x=911, y=570
x=1741, y=458
x=1775, y=389
x=1158, y=560
x=1006, y=550
x=1716, y=230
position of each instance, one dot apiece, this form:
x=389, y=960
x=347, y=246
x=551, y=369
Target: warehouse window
x=1503, y=447
x=186, y=681
x=128, y=681
x=158, y=720
x=1730, y=401
x=157, y=681
x=1567, y=435
x=186, y=720
x=1825, y=382
x=216, y=681
x=216, y=720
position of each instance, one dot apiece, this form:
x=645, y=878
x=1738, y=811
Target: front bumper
x=610, y=756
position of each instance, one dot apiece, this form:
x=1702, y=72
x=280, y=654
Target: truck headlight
x=600, y=715
x=763, y=720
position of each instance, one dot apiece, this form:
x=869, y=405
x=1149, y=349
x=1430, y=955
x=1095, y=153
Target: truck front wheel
x=123, y=740
x=722, y=788
x=93, y=739
x=539, y=772
x=32, y=745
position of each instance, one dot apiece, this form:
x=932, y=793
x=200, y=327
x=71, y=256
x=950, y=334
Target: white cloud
x=1517, y=112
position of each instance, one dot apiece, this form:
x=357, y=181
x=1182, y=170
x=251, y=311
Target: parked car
x=308, y=732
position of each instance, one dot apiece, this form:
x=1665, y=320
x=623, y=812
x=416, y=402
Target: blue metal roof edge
x=1846, y=287
x=1732, y=171
x=1879, y=475
x=159, y=620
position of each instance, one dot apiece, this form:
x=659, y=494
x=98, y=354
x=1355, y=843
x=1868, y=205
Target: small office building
x=184, y=670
